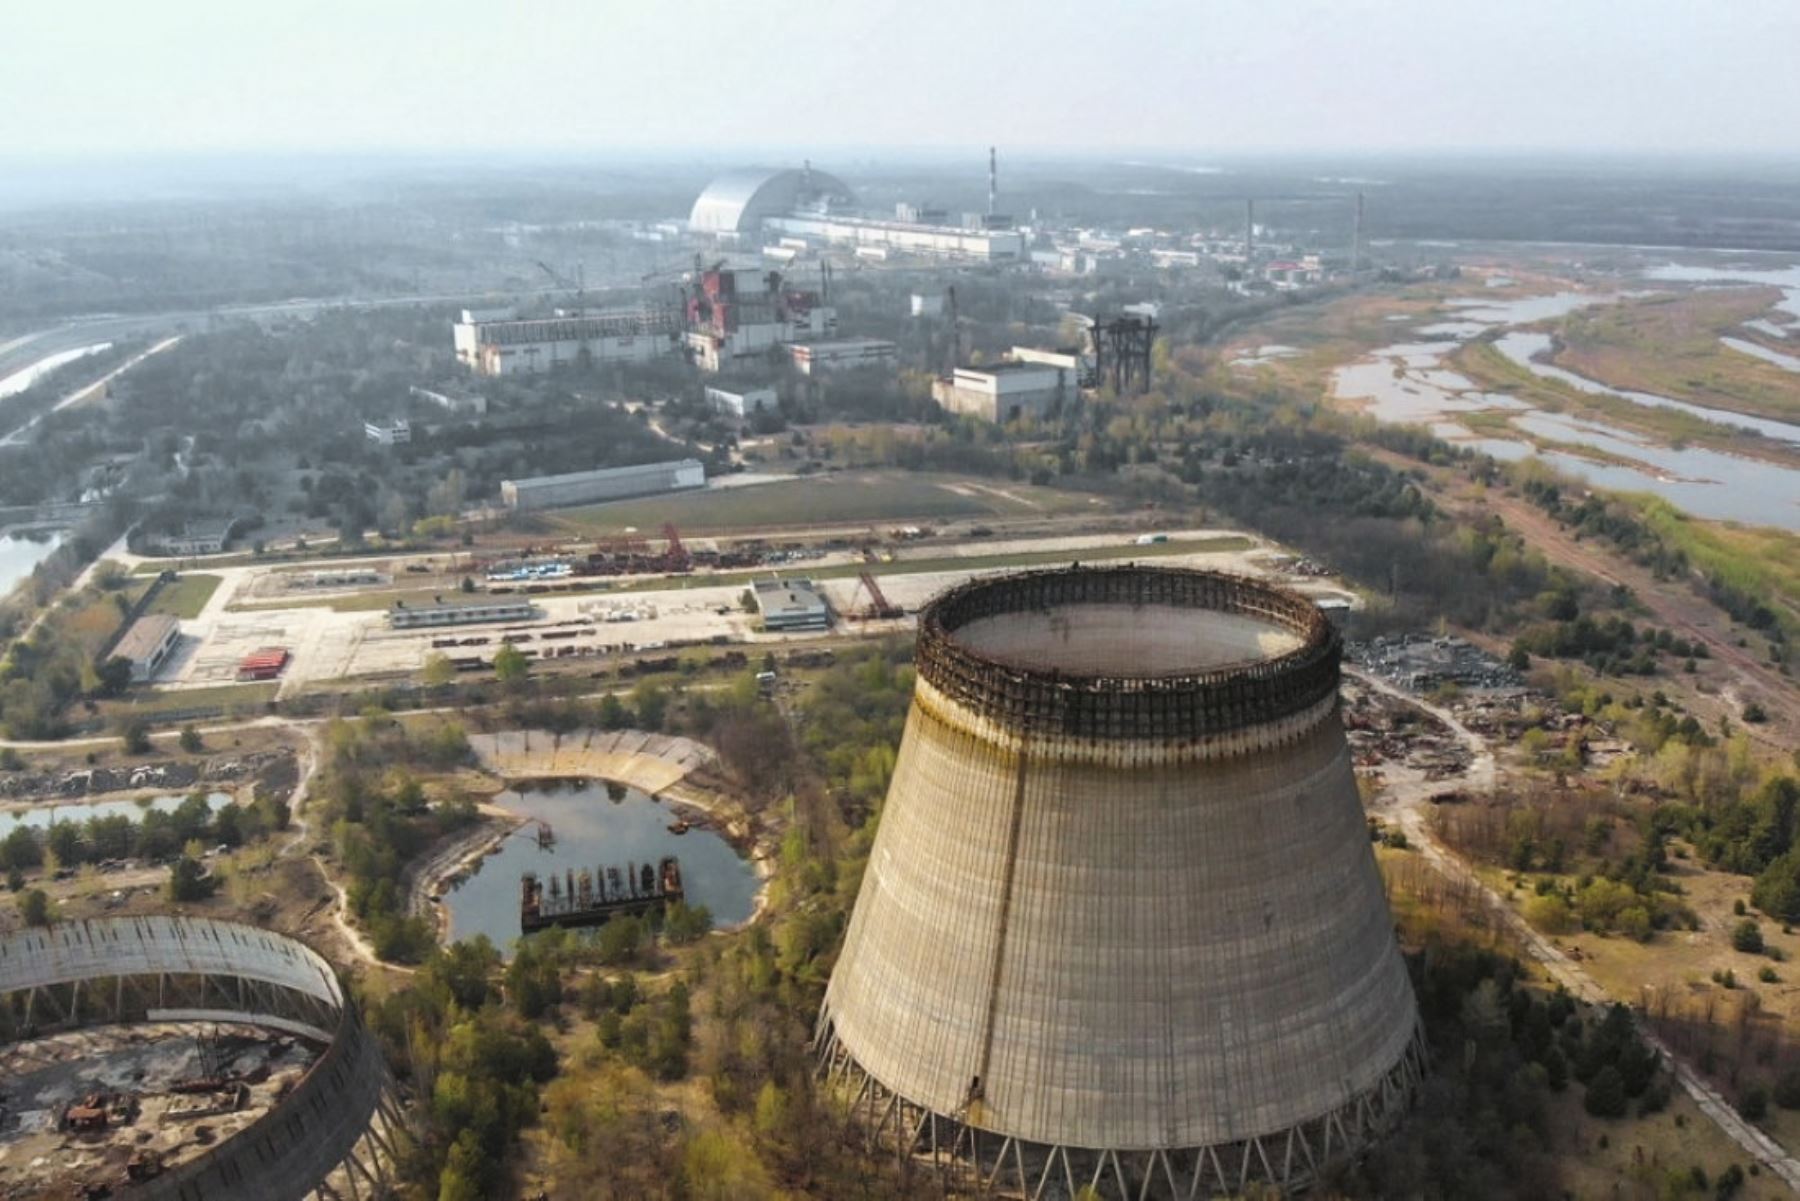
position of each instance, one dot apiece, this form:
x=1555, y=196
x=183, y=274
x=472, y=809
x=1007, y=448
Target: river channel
x=20, y=554
x=1410, y=383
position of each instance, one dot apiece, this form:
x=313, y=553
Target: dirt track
x=1673, y=603
x=1407, y=803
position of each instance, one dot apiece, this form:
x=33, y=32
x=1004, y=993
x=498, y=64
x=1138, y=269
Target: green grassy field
x=232, y=698
x=1494, y=372
x=1756, y=560
x=839, y=499
x=185, y=597
x=1670, y=345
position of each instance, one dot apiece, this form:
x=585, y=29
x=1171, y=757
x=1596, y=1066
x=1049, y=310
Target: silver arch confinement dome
x=738, y=202
x=1121, y=919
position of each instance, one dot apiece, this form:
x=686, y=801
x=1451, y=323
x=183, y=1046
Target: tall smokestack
x=1249, y=231
x=993, y=179
x=1356, y=240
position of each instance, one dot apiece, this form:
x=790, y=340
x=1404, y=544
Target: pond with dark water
x=597, y=825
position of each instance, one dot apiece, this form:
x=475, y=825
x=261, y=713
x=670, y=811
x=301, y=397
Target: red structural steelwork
x=879, y=605
x=264, y=664
x=675, y=555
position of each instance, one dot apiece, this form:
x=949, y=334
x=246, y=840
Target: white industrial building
x=608, y=483
x=753, y=343
x=743, y=403
x=417, y=617
x=928, y=241
x=1005, y=392
x=508, y=346
x=453, y=400
x=397, y=432
x=202, y=536
x=1076, y=364
x=789, y=605
x=147, y=645
x=804, y=207
x=926, y=306
x=813, y=358
x=743, y=317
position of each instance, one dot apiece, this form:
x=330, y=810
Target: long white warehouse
x=502, y=346
x=609, y=483
x=932, y=241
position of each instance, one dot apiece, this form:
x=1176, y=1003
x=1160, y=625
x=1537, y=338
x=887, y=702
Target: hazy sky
x=1193, y=76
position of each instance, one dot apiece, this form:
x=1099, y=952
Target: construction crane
x=577, y=286
x=675, y=270
x=675, y=555
x=879, y=607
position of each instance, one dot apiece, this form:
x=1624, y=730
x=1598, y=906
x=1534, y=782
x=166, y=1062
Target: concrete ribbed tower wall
x=1121, y=921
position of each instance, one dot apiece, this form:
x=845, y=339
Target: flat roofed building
x=202, y=536
x=743, y=402
x=512, y=347
x=1005, y=392
x=741, y=316
x=397, y=432
x=1076, y=364
x=607, y=483
x=147, y=645
x=264, y=664
x=338, y=577
x=788, y=605
x=418, y=617
x=810, y=358
x=453, y=400
x=979, y=245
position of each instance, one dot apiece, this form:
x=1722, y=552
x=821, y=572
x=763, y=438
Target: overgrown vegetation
x=379, y=819
x=158, y=836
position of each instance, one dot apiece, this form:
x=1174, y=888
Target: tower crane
x=577, y=287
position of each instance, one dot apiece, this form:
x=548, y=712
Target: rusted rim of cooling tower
x=1087, y=705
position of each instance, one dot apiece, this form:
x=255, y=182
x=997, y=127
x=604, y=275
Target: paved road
x=1413, y=811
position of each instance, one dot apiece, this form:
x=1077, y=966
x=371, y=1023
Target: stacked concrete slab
x=1122, y=926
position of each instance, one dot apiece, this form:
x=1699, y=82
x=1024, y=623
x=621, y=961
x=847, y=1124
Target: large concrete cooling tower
x=1122, y=926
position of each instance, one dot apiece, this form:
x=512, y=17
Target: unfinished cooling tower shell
x=1122, y=925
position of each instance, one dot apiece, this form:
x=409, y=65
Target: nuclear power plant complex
x=807, y=207
x=1122, y=927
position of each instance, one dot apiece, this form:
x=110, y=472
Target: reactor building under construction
x=1122, y=926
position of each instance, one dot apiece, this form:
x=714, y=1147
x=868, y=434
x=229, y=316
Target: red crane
x=675, y=555
x=879, y=605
